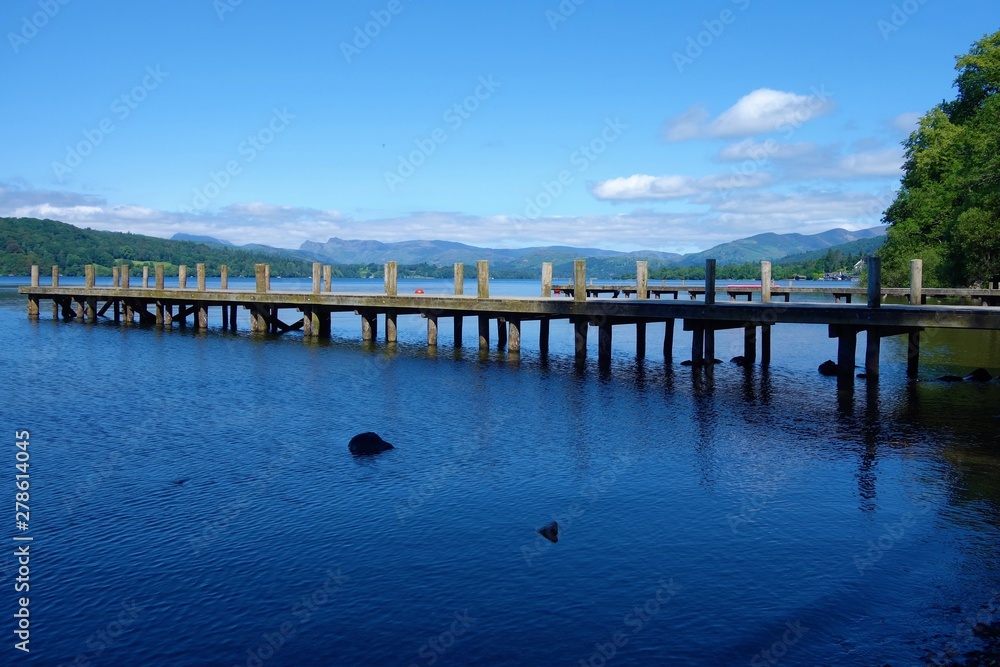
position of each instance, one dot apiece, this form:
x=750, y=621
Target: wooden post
x=913, y=355
x=369, y=325
x=55, y=275
x=267, y=277
x=324, y=321
x=315, y=321
x=546, y=279
x=642, y=280
x=459, y=320
x=88, y=272
x=484, y=332
x=34, y=275
x=709, y=281
x=201, y=316
x=33, y=301
x=225, y=318
x=126, y=276
x=168, y=314
x=232, y=317
x=432, y=330
x=580, y=327
x=307, y=322
x=117, y=311
x=327, y=278
x=874, y=282
x=501, y=333
x=224, y=277
x=765, y=281
x=459, y=280
x=390, y=274
x=200, y=269
x=145, y=277
x=765, y=344
x=604, y=335
x=115, y=276
x=390, y=325
x=159, y=313
x=580, y=284
x=514, y=336
x=668, y=340
x=873, y=346
x=159, y=276
x=698, y=345
x=916, y=282
x=750, y=343
x=317, y=270
x=81, y=309
x=483, y=278
x=640, y=340
x=847, y=346
x=260, y=274
x=543, y=337
x=710, y=345
x=182, y=276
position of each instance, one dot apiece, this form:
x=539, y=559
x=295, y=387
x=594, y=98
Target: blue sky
x=627, y=125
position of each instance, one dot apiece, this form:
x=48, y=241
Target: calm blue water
x=193, y=501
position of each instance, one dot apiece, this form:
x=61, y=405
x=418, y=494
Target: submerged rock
x=979, y=375
x=828, y=367
x=550, y=532
x=739, y=361
x=366, y=444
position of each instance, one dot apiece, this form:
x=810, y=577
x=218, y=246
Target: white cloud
x=906, y=122
x=762, y=111
x=885, y=162
x=642, y=187
x=748, y=149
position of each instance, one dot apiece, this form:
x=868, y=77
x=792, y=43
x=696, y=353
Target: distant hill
x=194, y=238
x=27, y=241
x=860, y=247
x=778, y=246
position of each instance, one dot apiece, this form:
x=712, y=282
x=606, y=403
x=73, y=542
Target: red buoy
x=418, y=291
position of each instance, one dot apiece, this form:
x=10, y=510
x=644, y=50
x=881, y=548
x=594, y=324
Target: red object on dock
x=557, y=291
x=418, y=291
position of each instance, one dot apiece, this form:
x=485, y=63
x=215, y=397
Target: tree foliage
x=947, y=210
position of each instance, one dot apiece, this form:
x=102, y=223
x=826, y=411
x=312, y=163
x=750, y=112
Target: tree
x=947, y=210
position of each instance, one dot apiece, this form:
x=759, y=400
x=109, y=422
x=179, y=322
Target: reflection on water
x=760, y=499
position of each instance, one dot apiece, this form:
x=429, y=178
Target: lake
x=193, y=501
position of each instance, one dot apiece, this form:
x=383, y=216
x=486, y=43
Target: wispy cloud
x=642, y=187
x=760, y=112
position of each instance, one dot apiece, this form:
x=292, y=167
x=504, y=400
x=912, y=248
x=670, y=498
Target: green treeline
x=947, y=210
x=834, y=260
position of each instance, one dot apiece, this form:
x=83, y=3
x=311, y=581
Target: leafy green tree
x=947, y=210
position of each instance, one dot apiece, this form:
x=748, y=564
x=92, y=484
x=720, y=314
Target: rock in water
x=950, y=378
x=366, y=444
x=828, y=367
x=739, y=361
x=979, y=375
x=550, y=532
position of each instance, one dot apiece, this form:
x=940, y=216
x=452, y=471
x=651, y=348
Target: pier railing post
x=709, y=281
x=34, y=275
x=126, y=277
x=642, y=280
x=267, y=277
x=55, y=275
x=579, y=280
x=317, y=270
x=327, y=278
x=145, y=277
x=182, y=276
x=765, y=281
x=483, y=278
x=115, y=276
x=260, y=274
x=390, y=273
x=159, y=276
x=546, y=279
x=88, y=272
x=459, y=278
x=874, y=282
x=224, y=278
x=200, y=268
x=916, y=282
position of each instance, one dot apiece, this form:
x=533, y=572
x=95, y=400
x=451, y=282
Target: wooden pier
x=156, y=305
